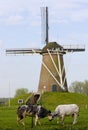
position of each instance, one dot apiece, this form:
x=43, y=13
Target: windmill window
x=54, y=48
x=61, y=49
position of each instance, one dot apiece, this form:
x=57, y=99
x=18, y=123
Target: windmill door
x=54, y=88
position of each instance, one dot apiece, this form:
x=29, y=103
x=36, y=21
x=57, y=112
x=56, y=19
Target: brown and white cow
x=32, y=110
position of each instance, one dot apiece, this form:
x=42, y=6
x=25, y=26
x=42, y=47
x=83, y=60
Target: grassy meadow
x=50, y=101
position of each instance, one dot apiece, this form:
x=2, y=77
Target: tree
x=86, y=87
x=77, y=87
x=21, y=91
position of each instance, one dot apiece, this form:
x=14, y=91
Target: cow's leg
x=22, y=122
x=62, y=119
x=19, y=120
x=75, y=118
x=37, y=120
x=57, y=120
x=21, y=117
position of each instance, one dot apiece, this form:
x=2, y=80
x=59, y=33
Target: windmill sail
x=44, y=24
x=23, y=51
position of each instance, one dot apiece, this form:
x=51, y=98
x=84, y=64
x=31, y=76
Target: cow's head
x=49, y=115
x=52, y=115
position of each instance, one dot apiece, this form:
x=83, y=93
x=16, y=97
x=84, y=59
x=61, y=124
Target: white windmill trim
x=63, y=69
x=51, y=73
x=64, y=79
x=61, y=81
x=53, y=62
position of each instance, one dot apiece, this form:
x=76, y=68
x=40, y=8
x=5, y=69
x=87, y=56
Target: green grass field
x=50, y=101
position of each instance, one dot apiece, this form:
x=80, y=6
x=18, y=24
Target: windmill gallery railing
x=74, y=47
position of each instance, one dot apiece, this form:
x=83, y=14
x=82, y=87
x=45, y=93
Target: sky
x=20, y=27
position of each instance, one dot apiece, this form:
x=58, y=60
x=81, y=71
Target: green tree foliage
x=76, y=87
x=21, y=91
x=86, y=87
x=79, y=87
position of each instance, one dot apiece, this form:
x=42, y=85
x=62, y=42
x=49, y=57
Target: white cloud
x=13, y=20
x=59, y=11
x=79, y=15
x=15, y=12
x=66, y=10
x=18, y=6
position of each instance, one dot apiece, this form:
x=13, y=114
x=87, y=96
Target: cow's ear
x=49, y=111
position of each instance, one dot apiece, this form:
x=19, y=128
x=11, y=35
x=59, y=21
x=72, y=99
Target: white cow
x=66, y=110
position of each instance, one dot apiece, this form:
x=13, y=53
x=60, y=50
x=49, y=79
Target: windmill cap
x=52, y=46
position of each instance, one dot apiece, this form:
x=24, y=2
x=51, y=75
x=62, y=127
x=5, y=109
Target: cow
x=62, y=111
x=37, y=111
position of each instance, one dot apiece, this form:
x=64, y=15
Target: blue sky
x=20, y=27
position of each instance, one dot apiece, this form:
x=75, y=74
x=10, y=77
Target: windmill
x=52, y=75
